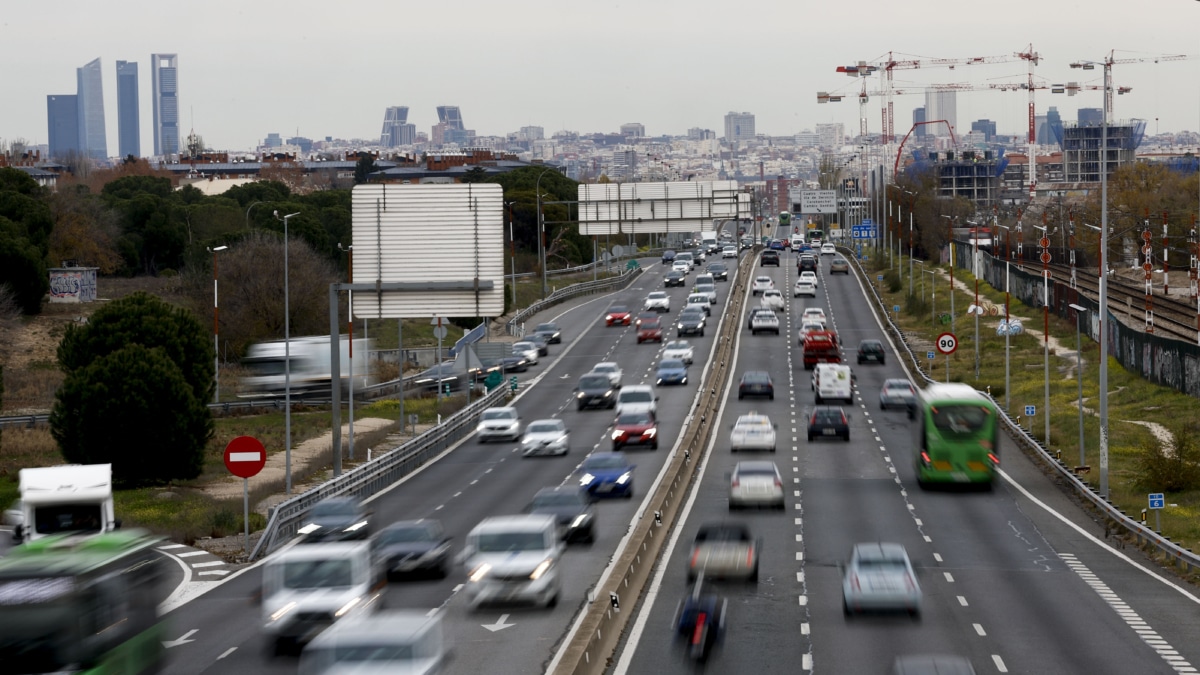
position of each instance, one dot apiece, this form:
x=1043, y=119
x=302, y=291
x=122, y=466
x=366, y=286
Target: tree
x=139, y=369
x=475, y=174
x=22, y=267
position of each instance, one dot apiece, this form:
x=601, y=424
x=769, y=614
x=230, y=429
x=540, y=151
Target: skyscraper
x=129, y=128
x=941, y=105
x=739, y=127
x=93, y=138
x=450, y=116
x=396, y=129
x=986, y=127
x=164, y=78
x=62, y=119
x=918, y=117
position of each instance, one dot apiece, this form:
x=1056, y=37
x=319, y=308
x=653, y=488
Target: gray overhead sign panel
x=441, y=247
x=818, y=201
x=637, y=208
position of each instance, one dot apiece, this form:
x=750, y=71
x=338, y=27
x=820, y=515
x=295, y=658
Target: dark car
x=698, y=256
x=839, y=265
x=412, y=547
x=674, y=278
x=606, y=474
x=691, y=322
x=617, y=315
x=514, y=364
x=336, y=519
x=650, y=331
x=756, y=383
x=635, y=428
x=806, y=263
x=871, y=350
x=720, y=271
x=671, y=371
x=543, y=346
x=571, y=506
x=646, y=316
x=776, y=245
x=550, y=331
x=595, y=390
x=668, y=257
x=932, y=664
x=828, y=421
x=769, y=257
x=442, y=376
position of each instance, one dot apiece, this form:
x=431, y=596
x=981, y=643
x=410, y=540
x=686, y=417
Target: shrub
x=1171, y=469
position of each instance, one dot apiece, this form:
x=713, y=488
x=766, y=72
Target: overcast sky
x=324, y=68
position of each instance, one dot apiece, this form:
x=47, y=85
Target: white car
x=752, y=431
x=683, y=266
x=546, y=437
x=678, y=349
x=764, y=321
x=657, y=301
x=828, y=249
x=880, y=576
x=773, y=300
x=755, y=483
x=499, y=424
x=803, y=287
x=809, y=327
x=701, y=300
x=709, y=290
x=528, y=350
x=761, y=284
x=612, y=370
x=814, y=314
x=729, y=252
x=811, y=276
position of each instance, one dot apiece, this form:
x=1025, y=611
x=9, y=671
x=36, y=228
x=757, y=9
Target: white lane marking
x=227, y=652
x=806, y=663
x=803, y=600
x=999, y=663
x=804, y=629
x=208, y=564
x=170, y=546
x=192, y=554
x=800, y=555
x=962, y=600
x=979, y=630
x=216, y=573
x=949, y=577
x=937, y=557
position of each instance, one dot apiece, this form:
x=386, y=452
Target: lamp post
x=541, y=228
x=975, y=308
x=1079, y=374
x=1044, y=243
x=248, y=208
x=287, y=359
x=1007, y=322
x=950, y=250
x=932, y=296
x=349, y=251
x=216, y=330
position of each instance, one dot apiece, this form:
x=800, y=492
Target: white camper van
x=68, y=498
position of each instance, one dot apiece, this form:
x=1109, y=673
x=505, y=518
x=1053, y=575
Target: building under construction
x=973, y=174
x=1081, y=144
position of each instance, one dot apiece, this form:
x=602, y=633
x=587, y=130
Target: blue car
x=606, y=474
x=776, y=245
x=672, y=371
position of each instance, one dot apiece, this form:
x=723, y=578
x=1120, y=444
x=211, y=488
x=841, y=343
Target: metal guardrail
x=513, y=327
x=1142, y=534
x=650, y=252
x=369, y=478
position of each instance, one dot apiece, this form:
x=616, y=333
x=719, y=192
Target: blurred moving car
x=526, y=350
x=809, y=327
x=879, y=576
x=668, y=257
x=617, y=315
x=635, y=428
x=803, y=287
x=611, y=369
x=871, y=350
x=807, y=262
x=546, y=437
x=709, y=290
x=764, y=321
x=514, y=363
x=336, y=519
x=769, y=257
x=572, y=510
x=499, y=424
x=724, y=550
x=513, y=559
x=828, y=421
x=719, y=271
x=701, y=301
x=691, y=322
x=543, y=346
x=681, y=267
x=932, y=664
x=636, y=397
x=678, y=349
x=671, y=371
x=606, y=474
x=684, y=256
x=756, y=383
x=828, y=249
x=839, y=265
x=729, y=252
x=413, y=546
x=752, y=431
x=650, y=331
x=674, y=278
x=595, y=390
x=811, y=276
x=774, y=300
x=550, y=331
x=657, y=301
x=897, y=393
x=760, y=284
x=755, y=483
x=646, y=316
x=391, y=641
x=814, y=314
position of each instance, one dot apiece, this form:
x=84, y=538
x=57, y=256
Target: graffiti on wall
x=75, y=284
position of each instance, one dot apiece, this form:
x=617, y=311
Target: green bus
x=957, y=433
x=814, y=236
x=83, y=604
x=785, y=219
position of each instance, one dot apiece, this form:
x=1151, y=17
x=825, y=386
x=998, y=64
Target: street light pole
x=1007, y=321
x=248, y=208
x=216, y=330
x=541, y=228
x=287, y=360
x=1045, y=245
x=349, y=251
x=1079, y=374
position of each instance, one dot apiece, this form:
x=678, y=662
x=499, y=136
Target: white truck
x=311, y=367
x=68, y=498
x=709, y=241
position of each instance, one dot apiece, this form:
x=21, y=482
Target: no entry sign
x=245, y=456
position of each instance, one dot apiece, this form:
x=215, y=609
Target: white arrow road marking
x=182, y=640
x=499, y=625
x=565, y=376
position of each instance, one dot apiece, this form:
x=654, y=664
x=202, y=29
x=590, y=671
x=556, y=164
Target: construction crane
x=1111, y=60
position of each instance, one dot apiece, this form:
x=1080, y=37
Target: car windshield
x=544, y=427
x=763, y=280
x=960, y=419
x=503, y=542
x=882, y=566
x=678, y=345
x=618, y=309
x=691, y=316
x=630, y=419
x=317, y=574
x=651, y=324
x=898, y=387
x=604, y=368
x=558, y=499
x=657, y=295
x=610, y=462
x=671, y=364
x=753, y=424
x=405, y=534
x=828, y=416
x=335, y=508
x=755, y=377
x=636, y=397
x=753, y=470
x=547, y=327
x=596, y=382
x=499, y=414
x=523, y=346
x=388, y=652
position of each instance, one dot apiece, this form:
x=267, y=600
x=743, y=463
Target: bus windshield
x=960, y=419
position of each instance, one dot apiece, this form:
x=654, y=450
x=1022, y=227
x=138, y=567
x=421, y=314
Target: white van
x=797, y=240
x=637, y=398
x=513, y=559
x=833, y=380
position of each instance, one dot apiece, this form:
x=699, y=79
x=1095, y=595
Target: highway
x=1005, y=582
x=475, y=481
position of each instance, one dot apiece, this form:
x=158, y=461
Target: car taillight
x=736, y=483
x=750, y=556
x=995, y=459
x=844, y=419
x=778, y=483
x=854, y=581
x=925, y=458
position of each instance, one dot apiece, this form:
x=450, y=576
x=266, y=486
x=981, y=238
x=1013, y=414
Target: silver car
x=752, y=431
x=546, y=437
x=756, y=484
x=499, y=424
x=897, y=393
x=529, y=350
x=880, y=576
x=679, y=349
x=657, y=301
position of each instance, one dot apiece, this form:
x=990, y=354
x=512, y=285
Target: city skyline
x=530, y=64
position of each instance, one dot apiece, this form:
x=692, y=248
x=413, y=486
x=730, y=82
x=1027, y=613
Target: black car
x=514, y=364
x=691, y=322
x=336, y=519
x=595, y=390
x=769, y=257
x=572, y=507
x=413, y=547
x=550, y=331
x=756, y=383
x=442, y=376
x=871, y=350
x=828, y=421
x=806, y=263
x=698, y=256
x=540, y=340
x=720, y=271
x=668, y=257
x=674, y=278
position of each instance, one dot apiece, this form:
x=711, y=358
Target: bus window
x=960, y=419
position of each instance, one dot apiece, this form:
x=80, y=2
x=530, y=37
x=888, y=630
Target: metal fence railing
x=369, y=478
x=515, y=324
x=1143, y=535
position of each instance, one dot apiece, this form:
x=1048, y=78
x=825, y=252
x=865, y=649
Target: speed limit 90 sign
x=947, y=343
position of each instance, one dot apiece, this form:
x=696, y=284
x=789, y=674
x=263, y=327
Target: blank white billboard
x=429, y=237
x=637, y=208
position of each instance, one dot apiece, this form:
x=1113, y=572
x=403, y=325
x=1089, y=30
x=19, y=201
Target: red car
x=649, y=331
x=618, y=315
x=635, y=428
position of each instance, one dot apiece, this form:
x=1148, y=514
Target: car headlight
x=561, y=439
x=480, y=572
x=356, y=527
x=541, y=569
x=279, y=613
x=581, y=395
x=608, y=393
x=347, y=607
x=586, y=479
x=609, y=317
x=309, y=528
x=617, y=433
x=579, y=520
x=650, y=432
x=625, y=478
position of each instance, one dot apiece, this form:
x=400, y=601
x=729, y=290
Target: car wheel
x=820, y=400
x=883, y=362
x=701, y=332
x=741, y=396
x=553, y=602
x=754, y=575
x=482, y=440
x=846, y=609
x=654, y=445
x=580, y=406
x=810, y=437
x=770, y=397
x=846, y=438
x=629, y=493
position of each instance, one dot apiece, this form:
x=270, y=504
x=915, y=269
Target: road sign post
x=1158, y=502
x=946, y=344
x=512, y=384
x=245, y=456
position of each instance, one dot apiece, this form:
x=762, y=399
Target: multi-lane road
x=1016, y=579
